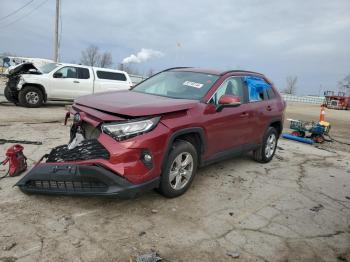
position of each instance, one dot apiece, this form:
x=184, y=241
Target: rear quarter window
x=271, y=93
x=111, y=75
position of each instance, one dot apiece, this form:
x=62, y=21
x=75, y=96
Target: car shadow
x=48, y=104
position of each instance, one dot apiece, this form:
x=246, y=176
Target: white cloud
x=142, y=56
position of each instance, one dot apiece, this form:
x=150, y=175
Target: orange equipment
x=322, y=114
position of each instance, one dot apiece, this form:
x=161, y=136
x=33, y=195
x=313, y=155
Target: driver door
x=68, y=83
x=227, y=129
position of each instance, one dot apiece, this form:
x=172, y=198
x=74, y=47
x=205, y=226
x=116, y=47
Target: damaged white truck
x=32, y=87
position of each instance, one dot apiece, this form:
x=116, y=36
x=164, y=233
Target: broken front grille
x=67, y=186
x=88, y=149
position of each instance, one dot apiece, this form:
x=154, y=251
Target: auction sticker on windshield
x=192, y=84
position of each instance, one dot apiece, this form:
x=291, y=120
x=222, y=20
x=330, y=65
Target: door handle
x=268, y=108
x=244, y=114
x=75, y=81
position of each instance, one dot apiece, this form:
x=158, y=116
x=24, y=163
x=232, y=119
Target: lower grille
x=67, y=186
x=88, y=149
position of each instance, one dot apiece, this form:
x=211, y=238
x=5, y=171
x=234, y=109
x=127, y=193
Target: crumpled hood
x=22, y=68
x=134, y=104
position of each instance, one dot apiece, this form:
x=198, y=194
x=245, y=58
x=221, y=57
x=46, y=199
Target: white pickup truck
x=31, y=87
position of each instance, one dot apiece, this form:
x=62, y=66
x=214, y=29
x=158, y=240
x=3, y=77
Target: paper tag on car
x=192, y=84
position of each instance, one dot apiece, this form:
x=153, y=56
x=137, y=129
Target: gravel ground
x=295, y=208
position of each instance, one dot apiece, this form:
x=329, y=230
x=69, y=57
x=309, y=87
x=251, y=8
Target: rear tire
x=266, y=151
x=180, y=169
x=31, y=96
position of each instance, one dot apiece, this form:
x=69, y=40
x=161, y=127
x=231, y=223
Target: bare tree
x=129, y=69
x=91, y=56
x=106, y=60
x=291, y=85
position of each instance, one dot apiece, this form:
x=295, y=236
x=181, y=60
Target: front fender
x=42, y=88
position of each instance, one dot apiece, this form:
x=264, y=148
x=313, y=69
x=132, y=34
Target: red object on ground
x=318, y=139
x=16, y=159
x=297, y=133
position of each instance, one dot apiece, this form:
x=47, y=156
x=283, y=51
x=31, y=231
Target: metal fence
x=304, y=99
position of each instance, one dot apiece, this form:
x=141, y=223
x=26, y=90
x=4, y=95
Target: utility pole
x=56, y=44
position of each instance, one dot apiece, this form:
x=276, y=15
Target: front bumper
x=85, y=180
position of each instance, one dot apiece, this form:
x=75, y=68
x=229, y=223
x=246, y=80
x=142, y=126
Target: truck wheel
x=180, y=169
x=266, y=151
x=31, y=96
x=8, y=96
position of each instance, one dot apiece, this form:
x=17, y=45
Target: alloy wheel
x=32, y=98
x=270, y=145
x=181, y=171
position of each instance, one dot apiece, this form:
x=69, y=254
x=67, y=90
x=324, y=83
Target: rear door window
x=257, y=88
x=111, y=75
x=270, y=93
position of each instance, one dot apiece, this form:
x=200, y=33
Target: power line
x=27, y=14
x=17, y=10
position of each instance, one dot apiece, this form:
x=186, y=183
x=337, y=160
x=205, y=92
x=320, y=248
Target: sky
x=308, y=39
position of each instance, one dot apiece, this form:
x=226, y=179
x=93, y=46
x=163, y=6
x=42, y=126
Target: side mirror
x=228, y=101
x=57, y=75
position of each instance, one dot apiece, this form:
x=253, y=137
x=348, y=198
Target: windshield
x=177, y=84
x=48, y=68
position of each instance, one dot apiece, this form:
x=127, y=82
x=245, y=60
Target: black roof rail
x=240, y=71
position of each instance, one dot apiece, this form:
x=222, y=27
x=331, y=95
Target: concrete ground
x=295, y=208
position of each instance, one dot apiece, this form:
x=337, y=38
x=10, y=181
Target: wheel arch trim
x=42, y=88
x=273, y=121
x=180, y=132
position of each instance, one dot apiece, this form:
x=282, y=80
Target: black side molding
x=83, y=180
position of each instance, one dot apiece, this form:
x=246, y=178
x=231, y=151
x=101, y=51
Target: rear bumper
x=84, y=180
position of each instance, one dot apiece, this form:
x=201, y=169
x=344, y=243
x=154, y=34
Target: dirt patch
x=295, y=208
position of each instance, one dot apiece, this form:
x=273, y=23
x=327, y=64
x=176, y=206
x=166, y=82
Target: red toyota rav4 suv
x=156, y=135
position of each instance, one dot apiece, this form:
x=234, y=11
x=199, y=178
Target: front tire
x=8, y=96
x=31, y=96
x=180, y=169
x=266, y=151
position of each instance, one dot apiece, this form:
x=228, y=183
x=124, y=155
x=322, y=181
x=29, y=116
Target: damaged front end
x=14, y=78
x=84, y=166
